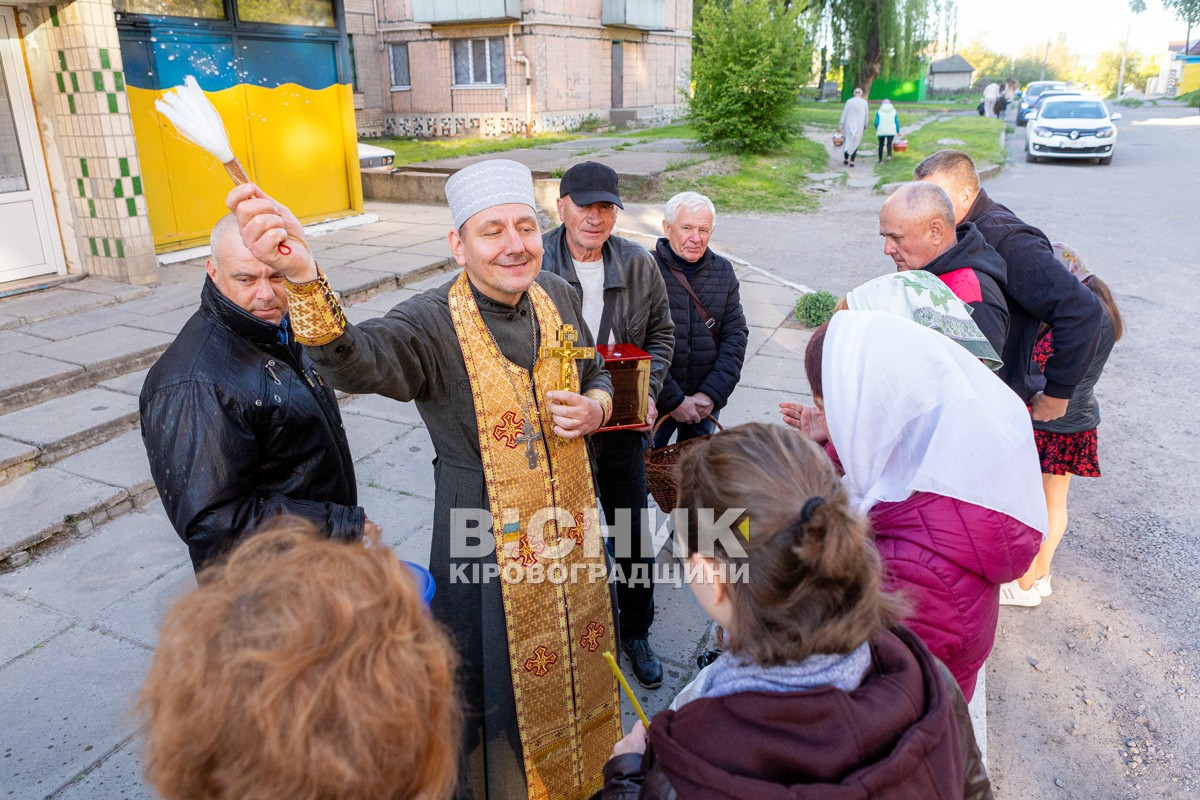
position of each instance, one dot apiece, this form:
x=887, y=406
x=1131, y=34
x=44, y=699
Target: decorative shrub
x=815, y=308
x=751, y=58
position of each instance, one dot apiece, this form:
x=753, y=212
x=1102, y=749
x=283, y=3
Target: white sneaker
x=1043, y=586
x=1013, y=595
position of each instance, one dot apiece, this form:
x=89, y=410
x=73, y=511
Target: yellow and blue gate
x=289, y=118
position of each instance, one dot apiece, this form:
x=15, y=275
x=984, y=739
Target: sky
x=1092, y=26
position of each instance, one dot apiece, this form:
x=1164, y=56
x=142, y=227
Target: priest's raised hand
x=271, y=232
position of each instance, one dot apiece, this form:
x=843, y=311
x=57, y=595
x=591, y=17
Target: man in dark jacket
x=917, y=225
x=1038, y=289
x=624, y=302
x=238, y=425
x=710, y=345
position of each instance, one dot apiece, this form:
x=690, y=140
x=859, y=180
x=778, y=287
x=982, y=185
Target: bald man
x=1039, y=290
x=918, y=230
x=238, y=426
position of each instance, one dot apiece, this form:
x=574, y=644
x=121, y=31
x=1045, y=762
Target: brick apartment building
x=496, y=67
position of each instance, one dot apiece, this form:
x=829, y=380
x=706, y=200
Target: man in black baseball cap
x=624, y=302
x=590, y=182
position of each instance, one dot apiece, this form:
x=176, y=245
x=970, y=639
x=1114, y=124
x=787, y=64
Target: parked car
x=1071, y=127
x=1047, y=95
x=370, y=155
x=1030, y=96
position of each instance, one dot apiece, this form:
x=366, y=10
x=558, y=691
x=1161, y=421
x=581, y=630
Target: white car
x=370, y=155
x=1071, y=127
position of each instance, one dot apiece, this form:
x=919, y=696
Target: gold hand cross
x=567, y=353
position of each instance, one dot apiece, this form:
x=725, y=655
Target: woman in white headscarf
x=940, y=454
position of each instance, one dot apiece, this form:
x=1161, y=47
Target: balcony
x=445, y=12
x=645, y=15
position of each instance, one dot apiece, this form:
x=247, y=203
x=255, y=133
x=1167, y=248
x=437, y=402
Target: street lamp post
x=1124, y=55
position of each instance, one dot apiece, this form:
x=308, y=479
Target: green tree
x=751, y=58
x=990, y=66
x=1106, y=73
x=879, y=38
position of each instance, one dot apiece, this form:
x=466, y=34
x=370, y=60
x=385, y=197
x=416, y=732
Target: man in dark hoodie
x=917, y=225
x=1038, y=289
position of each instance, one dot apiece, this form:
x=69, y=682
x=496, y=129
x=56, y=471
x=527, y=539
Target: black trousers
x=621, y=481
x=888, y=141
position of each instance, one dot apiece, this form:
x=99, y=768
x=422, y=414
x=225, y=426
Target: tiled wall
x=83, y=113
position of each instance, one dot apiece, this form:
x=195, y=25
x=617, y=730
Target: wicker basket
x=838, y=139
x=900, y=145
x=662, y=465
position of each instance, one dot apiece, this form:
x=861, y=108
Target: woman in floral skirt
x=1066, y=446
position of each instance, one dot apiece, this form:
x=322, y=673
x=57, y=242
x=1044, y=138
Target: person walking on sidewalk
x=1038, y=290
x=887, y=128
x=624, y=302
x=710, y=326
x=852, y=125
x=239, y=426
x=1068, y=445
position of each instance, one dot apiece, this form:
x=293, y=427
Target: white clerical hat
x=488, y=183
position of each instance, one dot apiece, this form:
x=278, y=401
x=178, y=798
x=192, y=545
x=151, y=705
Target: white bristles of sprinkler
x=199, y=123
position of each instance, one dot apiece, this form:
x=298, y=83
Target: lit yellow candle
x=612, y=663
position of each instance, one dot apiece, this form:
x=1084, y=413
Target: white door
x=29, y=243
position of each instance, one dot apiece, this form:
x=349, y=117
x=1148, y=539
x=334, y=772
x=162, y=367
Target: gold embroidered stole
x=553, y=578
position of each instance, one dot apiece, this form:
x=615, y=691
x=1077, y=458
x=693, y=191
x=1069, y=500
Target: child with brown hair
x=819, y=693
x=302, y=668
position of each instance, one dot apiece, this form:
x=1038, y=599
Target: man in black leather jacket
x=238, y=426
x=624, y=302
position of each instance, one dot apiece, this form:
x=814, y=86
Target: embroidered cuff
x=317, y=314
x=604, y=399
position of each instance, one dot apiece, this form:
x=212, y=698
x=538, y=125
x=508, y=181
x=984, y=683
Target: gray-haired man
x=710, y=327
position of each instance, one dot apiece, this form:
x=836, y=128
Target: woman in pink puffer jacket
x=940, y=454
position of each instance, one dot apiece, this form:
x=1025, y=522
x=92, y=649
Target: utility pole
x=1124, y=55
x=1045, y=58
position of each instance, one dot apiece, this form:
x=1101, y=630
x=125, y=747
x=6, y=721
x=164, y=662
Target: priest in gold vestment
x=482, y=357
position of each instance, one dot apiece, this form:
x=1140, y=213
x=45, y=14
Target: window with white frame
x=398, y=54
x=478, y=61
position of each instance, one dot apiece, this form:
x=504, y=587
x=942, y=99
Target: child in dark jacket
x=1068, y=445
x=819, y=693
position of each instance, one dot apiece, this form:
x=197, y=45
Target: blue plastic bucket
x=425, y=583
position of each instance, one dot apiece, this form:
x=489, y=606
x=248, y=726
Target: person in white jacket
x=887, y=127
x=852, y=125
